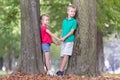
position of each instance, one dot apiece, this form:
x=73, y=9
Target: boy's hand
x=57, y=42
x=62, y=39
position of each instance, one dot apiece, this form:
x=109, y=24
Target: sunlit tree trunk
x=30, y=60
x=84, y=60
x=7, y=60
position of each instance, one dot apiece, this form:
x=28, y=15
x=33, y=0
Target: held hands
x=60, y=40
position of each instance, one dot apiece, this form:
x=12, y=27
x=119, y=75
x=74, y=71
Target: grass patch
x=111, y=75
x=3, y=73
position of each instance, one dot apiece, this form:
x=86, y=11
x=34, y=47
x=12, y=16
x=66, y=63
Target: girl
x=46, y=36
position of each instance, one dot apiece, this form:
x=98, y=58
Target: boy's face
x=71, y=12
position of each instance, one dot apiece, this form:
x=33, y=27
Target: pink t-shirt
x=46, y=38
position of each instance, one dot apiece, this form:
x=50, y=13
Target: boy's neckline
x=69, y=18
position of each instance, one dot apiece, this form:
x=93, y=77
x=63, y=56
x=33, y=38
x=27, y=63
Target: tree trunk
x=84, y=59
x=100, y=46
x=30, y=60
x=1, y=63
x=100, y=51
x=7, y=62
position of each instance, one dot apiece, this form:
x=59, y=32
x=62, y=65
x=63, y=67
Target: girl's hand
x=58, y=42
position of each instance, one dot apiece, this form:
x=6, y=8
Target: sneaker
x=60, y=73
x=50, y=73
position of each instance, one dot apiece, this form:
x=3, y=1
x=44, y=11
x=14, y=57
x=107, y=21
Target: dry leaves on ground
x=22, y=76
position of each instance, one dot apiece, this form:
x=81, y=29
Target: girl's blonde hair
x=41, y=17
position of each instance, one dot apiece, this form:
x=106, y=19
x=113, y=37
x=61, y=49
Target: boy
x=68, y=27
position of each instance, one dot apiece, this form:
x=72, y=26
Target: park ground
x=22, y=76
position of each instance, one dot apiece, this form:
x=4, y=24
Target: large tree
x=84, y=60
x=30, y=60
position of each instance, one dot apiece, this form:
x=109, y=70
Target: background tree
x=107, y=24
x=108, y=17
x=9, y=31
x=100, y=50
x=30, y=59
x=84, y=59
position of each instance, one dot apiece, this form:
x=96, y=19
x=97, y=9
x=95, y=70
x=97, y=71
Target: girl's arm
x=70, y=33
x=49, y=32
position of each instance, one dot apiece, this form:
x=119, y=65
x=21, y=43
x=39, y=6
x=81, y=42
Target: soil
x=22, y=76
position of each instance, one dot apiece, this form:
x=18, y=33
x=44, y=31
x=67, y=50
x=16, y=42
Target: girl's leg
x=47, y=60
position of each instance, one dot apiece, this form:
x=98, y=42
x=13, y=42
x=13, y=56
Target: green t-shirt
x=67, y=25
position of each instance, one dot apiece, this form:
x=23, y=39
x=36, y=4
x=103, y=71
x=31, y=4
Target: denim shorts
x=46, y=47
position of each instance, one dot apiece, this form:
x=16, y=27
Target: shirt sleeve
x=74, y=25
x=45, y=28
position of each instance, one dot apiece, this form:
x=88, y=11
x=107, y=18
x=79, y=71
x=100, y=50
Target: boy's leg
x=47, y=60
x=66, y=51
x=63, y=62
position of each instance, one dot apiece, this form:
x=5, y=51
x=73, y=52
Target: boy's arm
x=70, y=33
x=49, y=32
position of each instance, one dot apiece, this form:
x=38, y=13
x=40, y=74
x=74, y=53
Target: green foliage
x=108, y=17
x=57, y=11
x=9, y=26
x=108, y=20
x=55, y=50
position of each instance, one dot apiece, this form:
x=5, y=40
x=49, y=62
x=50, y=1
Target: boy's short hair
x=71, y=6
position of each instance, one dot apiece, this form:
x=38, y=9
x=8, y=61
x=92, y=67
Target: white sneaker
x=50, y=73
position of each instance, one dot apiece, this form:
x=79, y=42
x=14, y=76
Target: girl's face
x=71, y=12
x=45, y=20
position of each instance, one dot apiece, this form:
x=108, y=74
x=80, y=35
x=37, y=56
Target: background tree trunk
x=84, y=59
x=30, y=60
x=100, y=51
x=100, y=46
x=1, y=63
x=7, y=62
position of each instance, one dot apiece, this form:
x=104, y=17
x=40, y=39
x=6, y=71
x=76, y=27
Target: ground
x=22, y=76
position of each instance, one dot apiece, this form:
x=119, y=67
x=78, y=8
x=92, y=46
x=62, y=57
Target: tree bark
x=100, y=46
x=1, y=63
x=100, y=51
x=84, y=59
x=30, y=60
x=7, y=62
